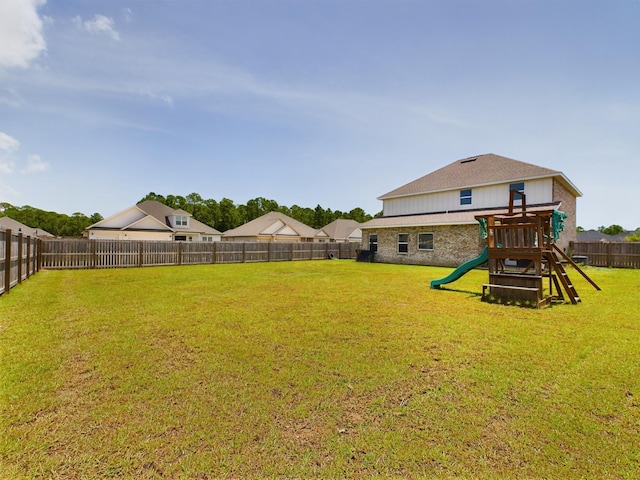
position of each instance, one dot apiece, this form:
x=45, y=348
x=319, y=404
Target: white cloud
x=20, y=32
x=8, y=144
x=36, y=165
x=10, y=97
x=7, y=165
x=98, y=25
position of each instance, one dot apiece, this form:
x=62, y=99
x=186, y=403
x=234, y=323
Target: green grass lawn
x=314, y=369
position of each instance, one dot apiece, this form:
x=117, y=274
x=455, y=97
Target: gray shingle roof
x=341, y=228
x=261, y=224
x=160, y=212
x=15, y=227
x=475, y=171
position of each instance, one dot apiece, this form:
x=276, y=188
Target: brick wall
x=452, y=245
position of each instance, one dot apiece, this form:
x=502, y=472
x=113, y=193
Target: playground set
x=521, y=254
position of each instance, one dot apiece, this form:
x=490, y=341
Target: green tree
x=633, y=237
x=228, y=215
x=259, y=206
x=359, y=215
x=611, y=230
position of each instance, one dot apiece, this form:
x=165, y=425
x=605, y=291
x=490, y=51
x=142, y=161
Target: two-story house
x=431, y=220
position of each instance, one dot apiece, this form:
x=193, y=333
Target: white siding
x=124, y=235
x=122, y=219
x=537, y=191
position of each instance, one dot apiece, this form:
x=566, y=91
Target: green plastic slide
x=462, y=269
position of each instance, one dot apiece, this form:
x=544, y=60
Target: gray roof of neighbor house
x=341, y=228
x=461, y=217
x=488, y=169
x=270, y=224
x=596, y=236
x=15, y=227
x=161, y=212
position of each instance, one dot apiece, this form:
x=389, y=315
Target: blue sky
x=313, y=102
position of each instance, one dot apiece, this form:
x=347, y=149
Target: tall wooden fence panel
x=83, y=254
x=19, y=258
x=609, y=254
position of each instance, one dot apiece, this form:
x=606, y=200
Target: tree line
x=222, y=215
x=58, y=224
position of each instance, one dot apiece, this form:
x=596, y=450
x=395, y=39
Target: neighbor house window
x=207, y=239
x=373, y=242
x=465, y=197
x=425, y=241
x=181, y=220
x=403, y=243
x=519, y=187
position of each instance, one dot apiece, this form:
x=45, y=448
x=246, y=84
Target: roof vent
x=469, y=160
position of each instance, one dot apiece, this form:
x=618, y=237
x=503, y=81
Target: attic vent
x=469, y=160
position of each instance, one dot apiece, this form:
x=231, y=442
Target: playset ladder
x=554, y=261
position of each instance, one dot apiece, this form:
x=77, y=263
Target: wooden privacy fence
x=19, y=258
x=83, y=254
x=608, y=254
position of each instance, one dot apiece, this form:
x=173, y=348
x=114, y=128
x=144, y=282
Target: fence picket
x=82, y=253
x=608, y=254
x=19, y=256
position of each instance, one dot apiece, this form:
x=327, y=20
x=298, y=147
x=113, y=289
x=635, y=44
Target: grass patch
x=314, y=369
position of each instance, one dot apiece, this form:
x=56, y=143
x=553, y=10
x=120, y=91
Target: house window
x=403, y=243
x=425, y=241
x=465, y=197
x=180, y=238
x=373, y=242
x=207, y=239
x=519, y=187
x=182, y=220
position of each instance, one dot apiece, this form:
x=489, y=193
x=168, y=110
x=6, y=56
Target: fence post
x=39, y=255
x=140, y=253
x=7, y=261
x=609, y=257
x=179, y=253
x=215, y=252
x=20, y=240
x=94, y=254
x=28, y=256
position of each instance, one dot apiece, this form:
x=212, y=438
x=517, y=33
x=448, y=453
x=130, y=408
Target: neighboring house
x=271, y=227
x=431, y=221
x=596, y=236
x=341, y=230
x=152, y=220
x=7, y=223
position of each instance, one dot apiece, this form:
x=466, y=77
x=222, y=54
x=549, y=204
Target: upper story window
x=403, y=243
x=181, y=221
x=519, y=187
x=465, y=197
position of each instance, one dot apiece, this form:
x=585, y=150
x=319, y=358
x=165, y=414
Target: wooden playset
x=523, y=255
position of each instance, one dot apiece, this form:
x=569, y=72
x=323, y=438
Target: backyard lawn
x=326, y=369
